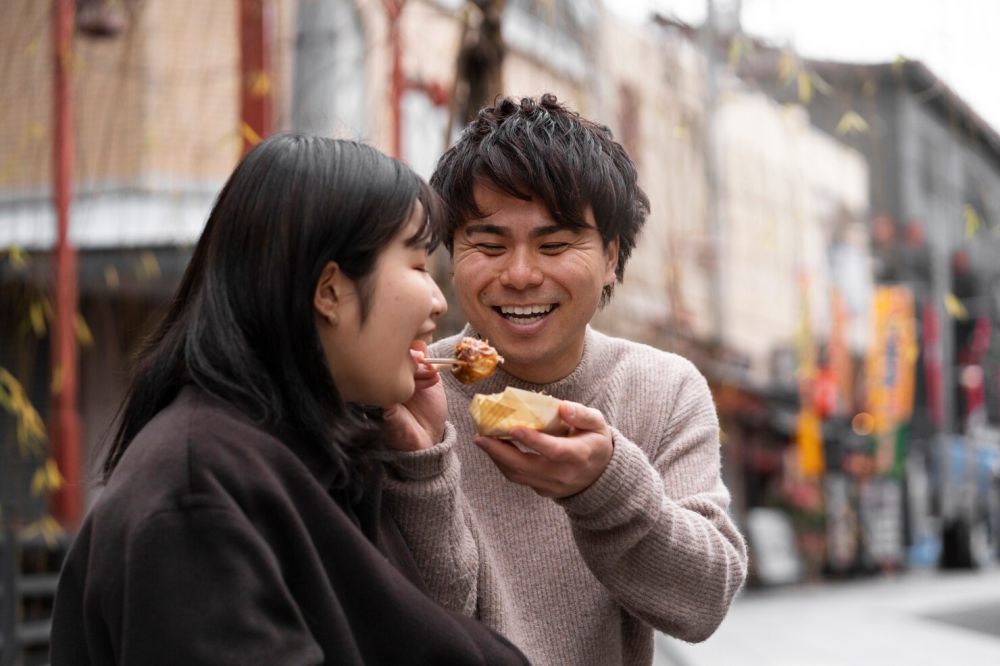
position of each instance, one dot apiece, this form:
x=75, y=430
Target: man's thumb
x=577, y=416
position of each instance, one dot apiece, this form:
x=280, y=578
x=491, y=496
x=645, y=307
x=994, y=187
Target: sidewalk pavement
x=922, y=618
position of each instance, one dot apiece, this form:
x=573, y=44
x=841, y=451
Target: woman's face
x=371, y=361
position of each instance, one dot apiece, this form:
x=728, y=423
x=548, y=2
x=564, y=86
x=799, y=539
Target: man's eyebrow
x=497, y=230
x=483, y=228
x=552, y=229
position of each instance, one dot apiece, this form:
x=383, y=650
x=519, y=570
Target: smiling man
x=578, y=550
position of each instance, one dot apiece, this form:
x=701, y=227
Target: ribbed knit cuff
x=627, y=484
x=423, y=464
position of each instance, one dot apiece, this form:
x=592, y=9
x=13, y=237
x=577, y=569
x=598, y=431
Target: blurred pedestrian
x=577, y=549
x=241, y=521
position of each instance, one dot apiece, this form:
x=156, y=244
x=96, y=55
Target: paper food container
x=497, y=414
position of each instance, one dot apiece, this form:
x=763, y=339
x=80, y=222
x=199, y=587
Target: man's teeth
x=525, y=314
x=525, y=310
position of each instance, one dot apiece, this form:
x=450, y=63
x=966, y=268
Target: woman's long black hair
x=241, y=325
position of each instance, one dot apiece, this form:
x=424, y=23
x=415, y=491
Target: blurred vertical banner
x=891, y=364
x=891, y=369
x=809, y=426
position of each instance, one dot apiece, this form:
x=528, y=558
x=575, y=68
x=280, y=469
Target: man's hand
x=564, y=466
x=418, y=423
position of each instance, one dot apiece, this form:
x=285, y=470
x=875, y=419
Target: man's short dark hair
x=540, y=149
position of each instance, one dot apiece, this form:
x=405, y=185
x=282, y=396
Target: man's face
x=528, y=285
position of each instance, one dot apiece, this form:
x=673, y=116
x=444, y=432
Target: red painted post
x=256, y=23
x=393, y=11
x=64, y=428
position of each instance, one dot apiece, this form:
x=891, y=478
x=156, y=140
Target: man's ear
x=610, y=268
x=329, y=292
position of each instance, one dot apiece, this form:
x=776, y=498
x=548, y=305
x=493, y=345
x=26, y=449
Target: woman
x=240, y=522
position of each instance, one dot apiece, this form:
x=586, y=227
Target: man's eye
x=554, y=248
x=489, y=248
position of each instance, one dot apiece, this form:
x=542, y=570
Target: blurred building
x=158, y=129
x=152, y=149
x=934, y=183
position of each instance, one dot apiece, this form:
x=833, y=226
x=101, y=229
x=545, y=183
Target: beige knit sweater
x=583, y=580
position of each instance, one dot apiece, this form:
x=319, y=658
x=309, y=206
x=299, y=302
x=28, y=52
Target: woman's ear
x=326, y=298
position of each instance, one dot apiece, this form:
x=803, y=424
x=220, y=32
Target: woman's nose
x=439, y=305
x=520, y=272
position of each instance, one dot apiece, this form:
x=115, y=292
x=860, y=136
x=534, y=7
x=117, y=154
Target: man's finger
x=505, y=454
x=581, y=417
x=548, y=446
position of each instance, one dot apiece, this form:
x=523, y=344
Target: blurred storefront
x=925, y=414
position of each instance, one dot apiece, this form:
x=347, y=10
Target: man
x=578, y=551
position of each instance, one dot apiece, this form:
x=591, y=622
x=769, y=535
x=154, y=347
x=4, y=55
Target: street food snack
x=497, y=414
x=477, y=360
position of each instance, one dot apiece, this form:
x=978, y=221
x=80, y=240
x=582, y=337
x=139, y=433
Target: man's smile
x=525, y=314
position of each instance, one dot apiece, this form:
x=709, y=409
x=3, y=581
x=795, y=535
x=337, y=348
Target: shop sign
x=891, y=363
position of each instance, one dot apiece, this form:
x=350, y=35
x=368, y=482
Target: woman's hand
x=418, y=423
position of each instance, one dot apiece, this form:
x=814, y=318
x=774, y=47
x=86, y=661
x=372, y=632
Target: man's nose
x=521, y=271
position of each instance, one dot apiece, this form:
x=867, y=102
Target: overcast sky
x=958, y=39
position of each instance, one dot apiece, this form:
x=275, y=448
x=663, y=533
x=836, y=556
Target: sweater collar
x=579, y=384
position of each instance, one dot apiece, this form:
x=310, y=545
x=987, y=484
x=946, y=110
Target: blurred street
x=920, y=618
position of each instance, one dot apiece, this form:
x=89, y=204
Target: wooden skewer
x=443, y=361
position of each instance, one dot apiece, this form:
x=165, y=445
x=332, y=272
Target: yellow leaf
x=150, y=266
x=46, y=527
x=820, y=84
x=955, y=307
x=786, y=67
x=737, y=47
x=249, y=135
x=14, y=399
x=38, y=482
x=52, y=474
x=17, y=256
x=897, y=64
x=851, y=123
x=58, y=377
x=36, y=314
x=36, y=131
x=260, y=84
x=47, y=478
x=83, y=334
x=973, y=222
x=805, y=88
